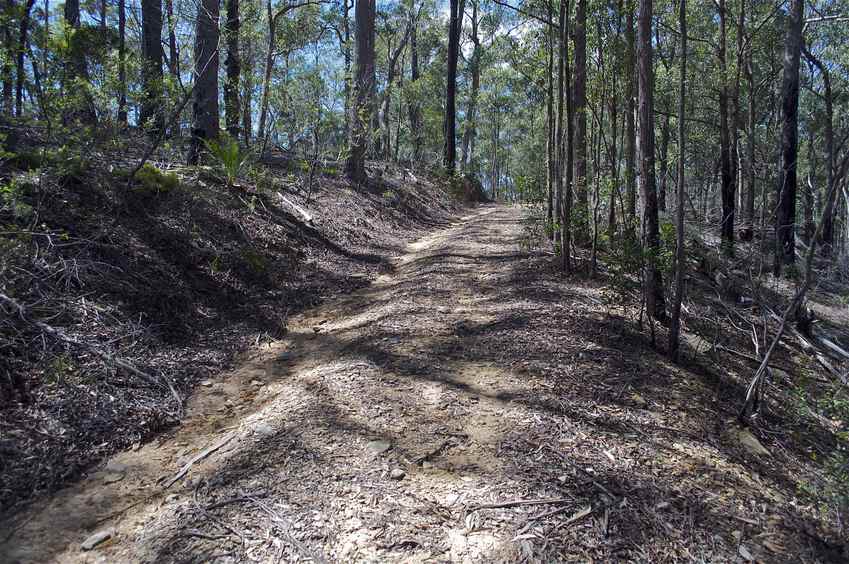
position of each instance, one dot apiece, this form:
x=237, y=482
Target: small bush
x=228, y=156
x=13, y=199
x=26, y=160
x=255, y=261
x=151, y=180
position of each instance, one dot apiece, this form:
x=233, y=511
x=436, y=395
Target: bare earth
x=384, y=423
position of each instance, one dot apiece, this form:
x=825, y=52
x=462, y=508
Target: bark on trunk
x=122, y=62
x=414, y=107
x=581, y=211
x=785, y=217
x=470, y=129
x=362, y=105
x=645, y=85
x=680, y=263
x=449, y=123
x=150, y=113
x=727, y=187
x=20, y=71
x=9, y=48
x=205, y=102
x=232, y=64
x=630, y=123
x=663, y=165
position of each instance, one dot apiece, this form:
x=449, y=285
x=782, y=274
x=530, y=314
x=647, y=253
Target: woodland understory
x=475, y=280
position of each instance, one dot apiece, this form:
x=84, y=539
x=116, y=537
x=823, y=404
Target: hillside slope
x=171, y=276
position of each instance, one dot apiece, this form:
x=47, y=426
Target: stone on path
x=378, y=447
x=397, y=474
x=97, y=538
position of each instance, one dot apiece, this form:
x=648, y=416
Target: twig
x=21, y=311
x=582, y=471
x=286, y=526
x=519, y=502
x=203, y=454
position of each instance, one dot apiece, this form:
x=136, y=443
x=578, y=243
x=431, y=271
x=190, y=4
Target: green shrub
x=229, y=157
x=151, y=180
x=13, y=198
x=255, y=261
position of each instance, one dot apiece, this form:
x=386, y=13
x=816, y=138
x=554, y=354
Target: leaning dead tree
x=790, y=311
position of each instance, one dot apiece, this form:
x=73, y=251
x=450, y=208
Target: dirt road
x=468, y=406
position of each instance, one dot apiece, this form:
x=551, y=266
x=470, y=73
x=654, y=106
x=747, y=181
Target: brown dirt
x=476, y=371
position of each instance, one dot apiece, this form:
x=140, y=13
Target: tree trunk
x=205, y=103
x=173, y=52
x=449, y=123
x=20, y=71
x=247, y=93
x=8, y=57
x=630, y=123
x=346, y=50
x=747, y=232
x=645, y=85
x=549, y=120
x=581, y=211
x=81, y=107
x=663, y=165
x=386, y=99
x=785, y=217
x=470, y=129
x=680, y=262
x=560, y=130
x=363, y=94
x=826, y=241
x=727, y=187
x=150, y=114
x=415, y=104
x=122, y=62
x=269, y=64
x=233, y=69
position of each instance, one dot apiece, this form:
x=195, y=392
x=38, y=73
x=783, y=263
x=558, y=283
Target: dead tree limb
x=21, y=311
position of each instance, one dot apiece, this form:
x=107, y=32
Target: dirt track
x=377, y=429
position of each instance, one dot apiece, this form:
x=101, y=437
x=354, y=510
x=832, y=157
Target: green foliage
x=151, y=180
x=229, y=157
x=13, y=198
x=59, y=369
x=625, y=262
x=70, y=165
x=26, y=160
x=255, y=261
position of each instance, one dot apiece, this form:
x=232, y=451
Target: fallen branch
x=202, y=455
x=520, y=502
x=298, y=209
x=60, y=335
x=584, y=472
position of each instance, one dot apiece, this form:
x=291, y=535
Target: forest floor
x=467, y=406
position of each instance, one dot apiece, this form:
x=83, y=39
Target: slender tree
x=728, y=187
x=150, y=114
x=675, y=323
x=785, y=217
x=205, y=103
x=363, y=95
x=122, y=62
x=645, y=87
x=630, y=121
x=232, y=65
x=449, y=122
x=469, y=130
x=414, y=108
x=581, y=212
x=22, y=48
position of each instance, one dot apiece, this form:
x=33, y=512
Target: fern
x=229, y=157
